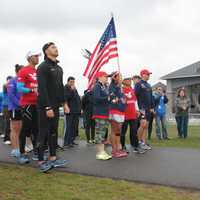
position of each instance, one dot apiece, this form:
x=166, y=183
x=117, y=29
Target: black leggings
x=133, y=126
x=89, y=128
x=48, y=127
x=29, y=127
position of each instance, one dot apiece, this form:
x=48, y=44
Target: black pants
x=29, y=127
x=1, y=124
x=133, y=126
x=71, y=128
x=89, y=127
x=151, y=118
x=6, y=124
x=48, y=127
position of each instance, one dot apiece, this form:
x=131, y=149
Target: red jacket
x=131, y=101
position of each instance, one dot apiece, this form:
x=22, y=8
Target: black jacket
x=73, y=99
x=87, y=103
x=50, y=84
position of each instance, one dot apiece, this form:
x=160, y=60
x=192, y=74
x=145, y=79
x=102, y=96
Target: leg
x=87, y=127
x=92, y=129
x=123, y=133
x=133, y=133
x=178, y=124
x=68, y=132
x=185, y=128
x=164, y=127
x=151, y=117
x=158, y=129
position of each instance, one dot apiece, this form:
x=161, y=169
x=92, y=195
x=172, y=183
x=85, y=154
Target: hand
x=35, y=90
x=50, y=113
x=138, y=114
x=152, y=110
x=66, y=109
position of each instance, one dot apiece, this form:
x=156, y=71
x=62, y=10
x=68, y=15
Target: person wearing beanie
x=50, y=98
x=15, y=113
x=101, y=114
x=116, y=113
x=27, y=86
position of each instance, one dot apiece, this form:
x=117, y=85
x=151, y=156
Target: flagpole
x=118, y=65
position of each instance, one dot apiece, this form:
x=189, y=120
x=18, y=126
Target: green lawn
x=193, y=140
x=20, y=183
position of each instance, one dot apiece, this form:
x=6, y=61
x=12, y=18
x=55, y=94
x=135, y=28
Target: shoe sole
x=46, y=170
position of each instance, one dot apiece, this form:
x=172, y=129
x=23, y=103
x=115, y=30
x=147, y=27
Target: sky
x=160, y=35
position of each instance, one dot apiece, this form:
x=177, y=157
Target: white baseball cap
x=33, y=53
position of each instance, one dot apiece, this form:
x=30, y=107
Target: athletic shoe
x=7, y=142
x=29, y=148
x=23, y=159
x=58, y=163
x=46, y=166
x=118, y=154
x=2, y=136
x=125, y=149
x=15, y=153
x=103, y=156
x=35, y=157
x=123, y=153
x=139, y=150
x=145, y=147
x=59, y=148
x=94, y=141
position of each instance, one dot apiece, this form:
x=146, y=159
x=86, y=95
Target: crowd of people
x=30, y=109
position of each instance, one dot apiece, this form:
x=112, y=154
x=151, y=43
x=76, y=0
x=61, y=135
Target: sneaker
x=94, y=141
x=107, y=155
x=118, y=154
x=23, y=159
x=15, y=153
x=124, y=149
x=74, y=143
x=46, y=166
x=139, y=150
x=145, y=147
x=2, y=136
x=103, y=156
x=58, y=163
x=7, y=142
x=123, y=153
x=35, y=157
x=29, y=148
x=59, y=148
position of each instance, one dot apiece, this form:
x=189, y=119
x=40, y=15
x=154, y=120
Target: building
x=189, y=78
x=159, y=84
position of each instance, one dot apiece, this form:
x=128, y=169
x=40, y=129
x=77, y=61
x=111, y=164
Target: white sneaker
x=2, y=136
x=7, y=142
x=145, y=147
x=28, y=148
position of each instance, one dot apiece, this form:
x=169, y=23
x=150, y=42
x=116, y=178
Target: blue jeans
x=161, y=123
x=182, y=125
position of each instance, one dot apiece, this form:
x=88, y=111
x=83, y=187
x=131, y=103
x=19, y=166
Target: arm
x=42, y=74
x=165, y=99
x=21, y=88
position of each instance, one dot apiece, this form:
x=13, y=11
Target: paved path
x=165, y=166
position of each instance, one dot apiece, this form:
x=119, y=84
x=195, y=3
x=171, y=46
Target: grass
x=20, y=183
x=193, y=140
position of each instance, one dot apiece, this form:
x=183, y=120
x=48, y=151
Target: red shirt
x=27, y=75
x=130, y=112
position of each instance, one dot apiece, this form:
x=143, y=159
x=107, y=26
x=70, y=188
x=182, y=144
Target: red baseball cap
x=145, y=71
x=101, y=74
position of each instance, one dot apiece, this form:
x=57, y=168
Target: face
x=71, y=83
x=160, y=90
x=34, y=59
x=136, y=80
x=52, y=51
x=182, y=93
x=103, y=79
x=127, y=82
x=146, y=77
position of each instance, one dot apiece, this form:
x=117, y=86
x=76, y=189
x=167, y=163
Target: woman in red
x=131, y=115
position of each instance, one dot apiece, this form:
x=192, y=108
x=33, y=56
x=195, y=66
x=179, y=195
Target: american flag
x=105, y=50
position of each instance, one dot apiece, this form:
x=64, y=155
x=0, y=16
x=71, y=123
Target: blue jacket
x=13, y=95
x=116, y=92
x=100, y=101
x=144, y=95
x=5, y=96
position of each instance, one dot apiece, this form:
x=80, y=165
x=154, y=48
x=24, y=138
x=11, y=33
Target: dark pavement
x=165, y=166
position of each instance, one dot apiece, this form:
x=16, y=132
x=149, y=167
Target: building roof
x=159, y=84
x=189, y=71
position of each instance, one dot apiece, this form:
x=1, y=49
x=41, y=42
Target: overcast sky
x=162, y=35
